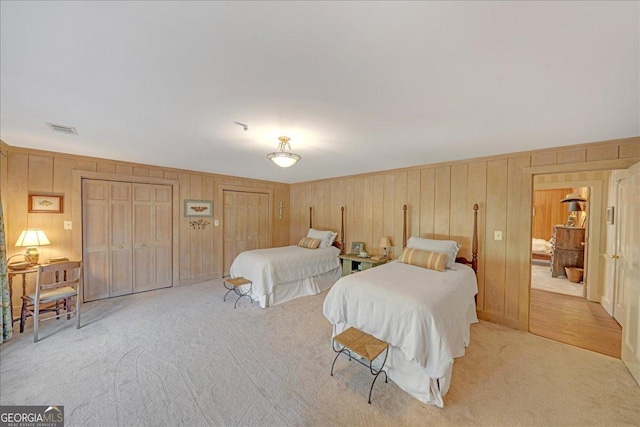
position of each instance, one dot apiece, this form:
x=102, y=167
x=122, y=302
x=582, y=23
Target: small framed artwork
x=610, y=214
x=45, y=204
x=198, y=208
x=357, y=247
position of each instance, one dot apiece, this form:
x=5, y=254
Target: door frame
x=593, y=229
x=76, y=211
x=526, y=201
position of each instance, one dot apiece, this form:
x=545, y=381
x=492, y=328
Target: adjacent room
x=209, y=210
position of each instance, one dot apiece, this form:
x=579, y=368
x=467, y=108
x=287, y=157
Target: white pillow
x=448, y=247
x=324, y=237
x=333, y=237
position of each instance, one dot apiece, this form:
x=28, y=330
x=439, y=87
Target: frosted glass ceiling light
x=283, y=158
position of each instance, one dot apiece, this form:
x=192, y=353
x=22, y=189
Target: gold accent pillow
x=431, y=260
x=309, y=243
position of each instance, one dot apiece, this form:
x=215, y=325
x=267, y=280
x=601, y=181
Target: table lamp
x=384, y=244
x=30, y=238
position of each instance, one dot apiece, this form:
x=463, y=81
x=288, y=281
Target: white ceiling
x=358, y=86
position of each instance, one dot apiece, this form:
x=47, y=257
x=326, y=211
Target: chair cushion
x=55, y=294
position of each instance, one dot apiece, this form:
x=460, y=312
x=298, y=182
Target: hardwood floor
x=575, y=321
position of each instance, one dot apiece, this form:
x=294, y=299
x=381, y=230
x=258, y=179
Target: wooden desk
x=352, y=263
x=23, y=273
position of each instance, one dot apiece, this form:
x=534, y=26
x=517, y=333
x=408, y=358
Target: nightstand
x=352, y=263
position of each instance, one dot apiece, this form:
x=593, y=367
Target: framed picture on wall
x=45, y=204
x=198, y=208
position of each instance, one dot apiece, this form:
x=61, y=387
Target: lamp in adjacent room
x=30, y=239
x=283, y=158
x=384, y=244
x=573, y=207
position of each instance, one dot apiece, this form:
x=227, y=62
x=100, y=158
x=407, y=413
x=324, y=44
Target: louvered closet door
x=127, y=238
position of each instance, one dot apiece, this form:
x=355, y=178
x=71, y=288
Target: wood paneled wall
x=548, y=211
x=440, y=199
x=25, y=172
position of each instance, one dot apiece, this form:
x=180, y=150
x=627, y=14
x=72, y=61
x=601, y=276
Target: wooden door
x=151, y=237
x=96, y=248
x=121, y=241
x=127, y=238
x=630, y=260
x=246, y=224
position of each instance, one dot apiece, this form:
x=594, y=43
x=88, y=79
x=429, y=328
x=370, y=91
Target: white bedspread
x=267, y=268
x=541, y=246
x=422, y=312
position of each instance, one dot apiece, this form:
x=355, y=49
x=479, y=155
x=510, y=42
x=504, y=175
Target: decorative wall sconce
x=280, y=209
x=200, y=224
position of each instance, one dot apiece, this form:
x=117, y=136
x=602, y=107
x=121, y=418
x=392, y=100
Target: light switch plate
x=216, y=223
x=67, y=225
x=497, y=235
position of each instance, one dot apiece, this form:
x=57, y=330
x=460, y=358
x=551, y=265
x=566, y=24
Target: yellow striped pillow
x=309, y=243
x=431, y=260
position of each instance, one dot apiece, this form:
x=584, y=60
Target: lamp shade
x=283, y=158
x=574, y=206
x=573, y=197
x=32, y=237
x=384, y=243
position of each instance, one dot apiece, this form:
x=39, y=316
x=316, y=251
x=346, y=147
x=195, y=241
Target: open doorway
x=577, y=319
x=558, y=246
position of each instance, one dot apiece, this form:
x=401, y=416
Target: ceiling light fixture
x=283, y=158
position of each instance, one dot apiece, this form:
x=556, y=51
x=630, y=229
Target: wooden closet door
x=246, y=224
x=120, y=238
x=96, y=248
x=127, y=238
x=151, y=237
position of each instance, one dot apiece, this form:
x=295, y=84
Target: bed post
x=404, y=226
x=342, y=231
x=474, y=246
x=310, y=221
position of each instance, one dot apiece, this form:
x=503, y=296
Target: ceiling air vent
x=63, y=129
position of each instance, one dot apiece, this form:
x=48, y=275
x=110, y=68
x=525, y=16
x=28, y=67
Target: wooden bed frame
x=474, y=245
x=338, y=243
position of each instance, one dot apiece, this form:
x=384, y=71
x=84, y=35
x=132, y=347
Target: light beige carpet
x=182, y=357
x=541, y=279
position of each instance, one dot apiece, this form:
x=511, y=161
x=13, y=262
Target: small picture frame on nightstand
x=357, y=247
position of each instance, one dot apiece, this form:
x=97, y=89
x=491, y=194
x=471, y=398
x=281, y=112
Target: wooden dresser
x=568, y=249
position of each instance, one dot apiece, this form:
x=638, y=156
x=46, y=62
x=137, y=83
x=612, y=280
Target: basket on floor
x=574, y=274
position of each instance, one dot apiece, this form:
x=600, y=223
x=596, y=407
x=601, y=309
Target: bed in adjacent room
x=282, y=274
x=422, y=304
x=541, y=249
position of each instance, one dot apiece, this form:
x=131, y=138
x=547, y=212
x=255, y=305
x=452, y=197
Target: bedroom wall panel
x=440, y=199
x=24, y=171
x=495, y=250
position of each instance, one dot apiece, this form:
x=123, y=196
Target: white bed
x=541, y=249
x=425, y=315
x=282, y=274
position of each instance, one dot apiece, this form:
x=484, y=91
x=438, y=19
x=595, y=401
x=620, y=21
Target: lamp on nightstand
x=384, y=244
x=30, y=238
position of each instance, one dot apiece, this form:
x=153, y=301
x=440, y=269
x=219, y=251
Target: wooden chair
x=55, y=283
